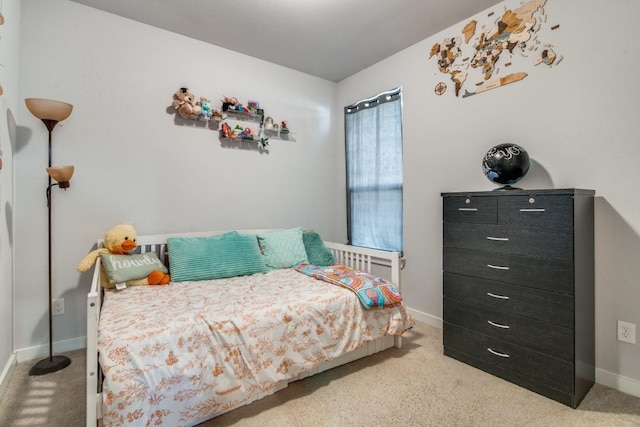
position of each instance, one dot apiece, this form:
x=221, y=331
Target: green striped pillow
x=214, y=257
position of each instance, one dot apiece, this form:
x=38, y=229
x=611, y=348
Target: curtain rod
x=387, y=96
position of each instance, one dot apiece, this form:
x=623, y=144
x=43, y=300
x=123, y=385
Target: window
x=373, y=141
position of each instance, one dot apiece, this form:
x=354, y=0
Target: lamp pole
x=50, y=112
x=50, y=127
x=51, y=364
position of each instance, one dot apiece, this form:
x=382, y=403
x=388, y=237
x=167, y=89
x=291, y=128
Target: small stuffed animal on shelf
x=185, y=104
x=206, y=109
x=247, y=133
x=226, y=131
x=229, y=103
x=134, y=270
x=217, y=114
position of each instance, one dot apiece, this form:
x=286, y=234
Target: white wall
x=579, y=123
x=9, y=44
x=135, y=162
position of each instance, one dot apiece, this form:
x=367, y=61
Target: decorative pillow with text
x=120, y=268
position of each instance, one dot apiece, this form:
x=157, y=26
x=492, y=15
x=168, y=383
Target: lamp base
x=50, y=364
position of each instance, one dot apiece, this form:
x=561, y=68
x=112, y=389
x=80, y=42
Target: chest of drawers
x=518, y=287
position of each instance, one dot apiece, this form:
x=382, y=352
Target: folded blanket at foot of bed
x=373, y=292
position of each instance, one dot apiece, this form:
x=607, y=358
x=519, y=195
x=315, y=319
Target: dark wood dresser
x=518, y=287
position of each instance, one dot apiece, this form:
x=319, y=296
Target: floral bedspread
x=179, y=354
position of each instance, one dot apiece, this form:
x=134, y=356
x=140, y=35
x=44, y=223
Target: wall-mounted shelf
x=262, y=132
x=241, y=115
x=278, y=134
x=186, y=107
x=244, y=144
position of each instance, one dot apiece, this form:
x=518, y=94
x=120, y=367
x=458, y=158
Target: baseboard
x=425, y=318
x=618, y=382
x=40, y=351
x=6, y=372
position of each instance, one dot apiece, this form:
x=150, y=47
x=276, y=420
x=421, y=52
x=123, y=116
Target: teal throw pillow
x=120, y=268
x=283, y=248
x=317, y=252
x=214, y=257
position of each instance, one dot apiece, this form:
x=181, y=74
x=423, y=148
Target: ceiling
x=330, y=39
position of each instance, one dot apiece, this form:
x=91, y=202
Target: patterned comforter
x=179, y=354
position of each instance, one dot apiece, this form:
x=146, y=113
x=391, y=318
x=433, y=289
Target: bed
x=183, y=353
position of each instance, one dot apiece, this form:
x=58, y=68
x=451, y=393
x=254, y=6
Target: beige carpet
x=413, y=386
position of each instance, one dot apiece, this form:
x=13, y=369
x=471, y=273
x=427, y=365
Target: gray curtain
x=373, y=141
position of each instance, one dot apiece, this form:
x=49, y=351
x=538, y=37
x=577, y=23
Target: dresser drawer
x=511, y=357
x=547, y=274
x=549, y=339
x=513, y=240
x=539, y=211
x=538, y=305
x=478, y=210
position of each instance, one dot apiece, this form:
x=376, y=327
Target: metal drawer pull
x=497, y=267
x=498, y=325
x=499, y=239
x=497, y=296
x=497, y=353
x=532, y=210
x=468, y=209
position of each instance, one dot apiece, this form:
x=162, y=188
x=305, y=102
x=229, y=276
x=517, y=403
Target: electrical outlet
x=58, y=306
x=626, y=332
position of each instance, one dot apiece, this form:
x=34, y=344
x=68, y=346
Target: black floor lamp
x=51, y=112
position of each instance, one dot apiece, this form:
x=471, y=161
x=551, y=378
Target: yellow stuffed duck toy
x=120, y=267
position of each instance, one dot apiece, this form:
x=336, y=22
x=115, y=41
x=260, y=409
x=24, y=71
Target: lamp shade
x=48, y=109
x=61, y=173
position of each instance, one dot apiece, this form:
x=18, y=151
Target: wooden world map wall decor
x=486, y=57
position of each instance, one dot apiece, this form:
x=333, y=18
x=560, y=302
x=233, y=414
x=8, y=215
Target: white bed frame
x=352, y=256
